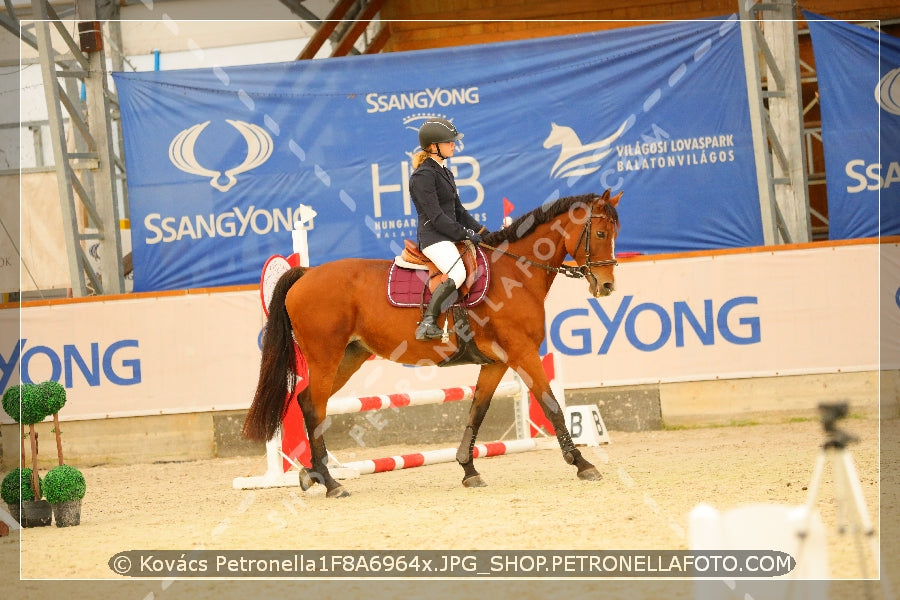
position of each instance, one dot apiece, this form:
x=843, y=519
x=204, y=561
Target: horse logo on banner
x=259, y=149
x=577, y=159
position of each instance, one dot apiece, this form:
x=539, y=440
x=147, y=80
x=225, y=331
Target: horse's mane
x=524, y=225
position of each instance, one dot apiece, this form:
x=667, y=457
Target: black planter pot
x=36, y=513
x=67, y=514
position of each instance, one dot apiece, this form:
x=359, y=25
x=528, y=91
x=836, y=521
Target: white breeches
x=446, y=257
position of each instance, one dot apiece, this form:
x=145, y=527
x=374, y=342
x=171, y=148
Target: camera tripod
x=852, y=515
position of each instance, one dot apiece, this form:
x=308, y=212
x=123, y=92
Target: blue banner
x=859, y=93
x=220, y=159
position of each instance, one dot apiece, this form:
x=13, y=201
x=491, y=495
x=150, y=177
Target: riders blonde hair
x=418, y=158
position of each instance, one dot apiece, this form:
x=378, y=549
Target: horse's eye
x=601, y=235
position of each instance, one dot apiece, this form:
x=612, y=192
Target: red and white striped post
x=289, y=445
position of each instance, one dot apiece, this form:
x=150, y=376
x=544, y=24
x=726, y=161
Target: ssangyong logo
x=427, y=99
x=259, y=149
x=887, y=92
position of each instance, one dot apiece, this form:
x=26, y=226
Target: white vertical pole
x=522, y=402
x=299, y=235
x=274, y=461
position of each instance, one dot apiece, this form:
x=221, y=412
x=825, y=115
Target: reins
x=567, y=270
x=576, y=272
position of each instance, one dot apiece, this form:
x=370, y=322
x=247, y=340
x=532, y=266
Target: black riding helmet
x=436, y=131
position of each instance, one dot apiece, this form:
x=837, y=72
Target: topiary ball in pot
x=64, y=487
x=63, y=484
x=54, y=396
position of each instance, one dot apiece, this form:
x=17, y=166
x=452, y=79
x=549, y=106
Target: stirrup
x=428, y=331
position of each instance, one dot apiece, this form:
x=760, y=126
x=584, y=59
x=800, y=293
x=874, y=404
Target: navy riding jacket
x=441, y=213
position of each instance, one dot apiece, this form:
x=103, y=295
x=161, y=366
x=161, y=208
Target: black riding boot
x=440, y=301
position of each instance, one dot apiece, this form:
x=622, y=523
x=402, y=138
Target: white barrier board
x=724, y=316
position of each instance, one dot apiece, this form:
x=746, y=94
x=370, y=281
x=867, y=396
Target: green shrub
x=11, y=400
x=62, y=484
x=17, y=487
x=26, y=403
x=55, y=394
x=34, y=404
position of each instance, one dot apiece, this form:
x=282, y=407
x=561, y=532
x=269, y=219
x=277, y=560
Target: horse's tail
x=277, y=369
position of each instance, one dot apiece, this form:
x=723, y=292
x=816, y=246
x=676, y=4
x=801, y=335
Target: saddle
x=411, y=271
x=413, y=277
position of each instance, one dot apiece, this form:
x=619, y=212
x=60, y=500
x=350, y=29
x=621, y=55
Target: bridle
x=575, y=272
x=585, y=269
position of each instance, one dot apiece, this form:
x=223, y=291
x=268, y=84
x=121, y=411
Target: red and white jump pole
x=432, y=457
x=276, y=476
x=346, y=405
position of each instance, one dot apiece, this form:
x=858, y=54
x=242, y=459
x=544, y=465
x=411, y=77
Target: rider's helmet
x=437, y=130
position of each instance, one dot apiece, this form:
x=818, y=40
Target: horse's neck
x=565, y=137
x=534, y=248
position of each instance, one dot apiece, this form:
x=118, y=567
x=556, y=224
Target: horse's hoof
x=338, y=492
x=590, y=474
x=306, y=481
x=474, y=481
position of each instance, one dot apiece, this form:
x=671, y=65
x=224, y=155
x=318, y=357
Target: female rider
x=442, y=219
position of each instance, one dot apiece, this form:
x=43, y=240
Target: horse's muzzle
x=599, y=290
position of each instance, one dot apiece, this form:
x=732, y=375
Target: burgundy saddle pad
x=405, y=286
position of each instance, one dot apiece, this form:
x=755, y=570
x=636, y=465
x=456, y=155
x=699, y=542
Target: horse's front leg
x=532, y=372
x=488, y=379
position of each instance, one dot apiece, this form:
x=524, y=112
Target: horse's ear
x=605, y=195
x=615, y=199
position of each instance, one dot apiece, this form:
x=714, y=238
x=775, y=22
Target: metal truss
x=85, y=163
x=771, y=56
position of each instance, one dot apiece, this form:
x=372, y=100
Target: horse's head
x=591, y=241
x=559, y=135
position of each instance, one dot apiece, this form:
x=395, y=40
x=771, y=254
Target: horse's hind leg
x=488, y=379
x=314, y=418
x=313, y=403
x=355, y=356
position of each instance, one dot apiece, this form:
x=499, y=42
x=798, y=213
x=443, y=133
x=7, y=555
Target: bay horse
x=333, y=313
